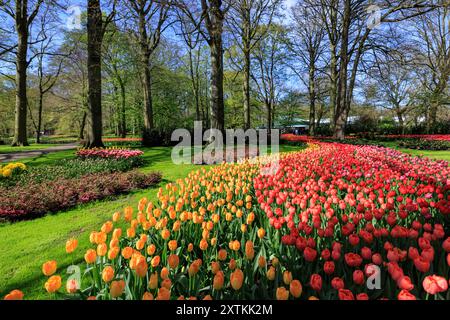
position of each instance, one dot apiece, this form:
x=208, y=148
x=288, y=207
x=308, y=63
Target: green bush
x=424, y=144
x=69, y=169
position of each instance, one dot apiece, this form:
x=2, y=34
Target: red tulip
x=434, y=284
x=345, y=294
x=316, y=282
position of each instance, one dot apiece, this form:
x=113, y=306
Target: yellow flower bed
x=8, y=170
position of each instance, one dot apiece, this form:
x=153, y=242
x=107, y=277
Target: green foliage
x=69, y=169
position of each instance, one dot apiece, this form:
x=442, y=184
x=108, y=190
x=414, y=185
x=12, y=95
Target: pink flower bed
x=109, y=153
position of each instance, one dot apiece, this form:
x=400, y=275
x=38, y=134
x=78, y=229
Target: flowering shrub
x=330, y=218
x=114, y=153
x=37, y=199
x=10, y=169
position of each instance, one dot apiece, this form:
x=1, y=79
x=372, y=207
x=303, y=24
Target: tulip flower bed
x=113, y=153
x=330, y=218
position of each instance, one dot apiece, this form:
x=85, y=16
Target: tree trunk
x=268, y=116
x=217, y=104
x=82, y=126
x=312, y=98
x=246, y=90
x=20, y=124
x=195, y=85
x=147, y=90
x=340, y=118
x=123, y=119
x=39, y=124
x=95, y=38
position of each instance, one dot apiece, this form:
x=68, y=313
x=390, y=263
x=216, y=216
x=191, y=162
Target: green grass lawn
x=25, y=245
x=437, y=155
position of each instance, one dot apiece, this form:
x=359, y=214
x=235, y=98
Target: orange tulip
x=236, y=245
x=190, y=247
x=127, y=252
x=151, y=249
x=116, y=289
x=164, y=273
x=287, y=277
x=222, y=255
x=271, y=273
x=282, y=294
x=131, y=232
x=107, y=227
x=193, y=268
x=153, y=281
x=90, y=256
x=249, y=251
x=14, y=295
x=147, y=296
x=53, y=284
x=155, y=261
x=215, y=267
x=141, y=267
x=236, y=279
x=116, y=216
x=49, y=268
x=232, y=264
x=163, y=294
x=173, y=245
x=71, y=245
x=295, y=288
x=108, y=274
x=261, y=233
x=173, y=260
x=140, y=245
x=128, y=214
x=261, y=261
x=207, y=297
x=203, y=245
x=102, y=249
x=165, y=234
x=166, y=283
x=218, y=280
x=113, y=253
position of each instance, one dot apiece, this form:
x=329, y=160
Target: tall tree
x=433, y=31
x=245, y=20
x=307, y=44
x=96, y=28
x=268, y=74
x=208, y=17
x=23, y=14
x=150, y=17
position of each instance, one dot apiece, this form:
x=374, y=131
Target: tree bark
x=217, y=104
x=341, y=114
x=95, y=38
x=123, y=118
x=82, y=126
x=20, y=124
x=312, y=97
x=246, y=90
x=40, y=108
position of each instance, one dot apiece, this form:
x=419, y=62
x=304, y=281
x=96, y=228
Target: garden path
x=35, y=153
